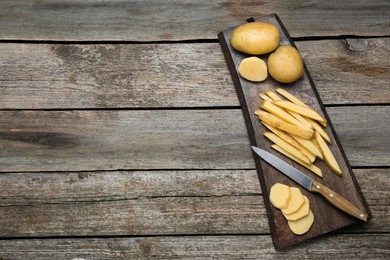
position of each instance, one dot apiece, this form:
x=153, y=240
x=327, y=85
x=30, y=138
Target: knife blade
x=311, y=185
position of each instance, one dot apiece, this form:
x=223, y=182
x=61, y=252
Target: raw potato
x=311, y=166
x=274, y=121
x=302, y=225
x=304, y=111
x=296, y=201
x=285, y=64
x=303, y=211
x=286, y=146
x=255, y=38
x=253, y=69
x=280, y=112
x=279, y=195
x=328, y=155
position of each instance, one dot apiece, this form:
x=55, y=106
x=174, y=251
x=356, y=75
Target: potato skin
x=255, y=38
x=285, y=64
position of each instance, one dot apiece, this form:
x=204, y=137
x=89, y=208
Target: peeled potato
x=285, y=64
x=253, y=69
x=301, y=212
x=255, y=38
x=296, y=201
x=302, y=225
x=279, y=195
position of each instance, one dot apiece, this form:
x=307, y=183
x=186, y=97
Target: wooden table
x=121, y=134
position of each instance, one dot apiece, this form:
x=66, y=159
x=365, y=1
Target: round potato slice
x=303, y=211
x=296, y=201
x=301, y=226
x=279, y=195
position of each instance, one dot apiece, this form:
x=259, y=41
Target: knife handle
x=338, y=201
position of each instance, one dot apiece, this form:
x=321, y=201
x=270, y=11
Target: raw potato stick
x=328, y=155
x=286, y=146
x=282, y=125
x=311, y=167
x=304, y=111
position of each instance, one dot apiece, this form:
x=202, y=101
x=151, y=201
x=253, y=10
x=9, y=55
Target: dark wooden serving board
x=326, y=217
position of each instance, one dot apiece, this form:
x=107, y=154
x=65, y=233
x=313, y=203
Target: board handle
x=338, y=201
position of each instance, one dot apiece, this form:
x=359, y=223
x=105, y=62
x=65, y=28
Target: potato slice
x=303, y=211
x=311, y=167
x=286, y=146
x=304, y=111
x=276, y=122
x=302, y=225
x=296, y=201
x=253, y=69
x=279, y=195
x=281, y=113
x=328, y=155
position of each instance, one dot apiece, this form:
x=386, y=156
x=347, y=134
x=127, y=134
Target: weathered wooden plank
x=139, y=20
x=47, y=76
x=152, y=203
x=360, y=246
x=349, y=71
x=163, y=139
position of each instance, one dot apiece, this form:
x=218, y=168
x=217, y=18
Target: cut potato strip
x=327, y=153
x=296, y=201
x=273, y=95
x=291, y=97
x=279, y=195
x=282, y=125
x=289, y=139
x=265, y=97
x=319, y=129
x=302, y=225
x=304, y=111
x=301, y=119
x=285, y=136
x=281, y=113
x=303, y=211
x=310, y=167
x=309, y=145
x=286, y=146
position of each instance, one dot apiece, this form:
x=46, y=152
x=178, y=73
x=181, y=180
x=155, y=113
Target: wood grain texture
x=360, y=246
x=139, y=20
x=154, y=202
x=56, y=76
x=328, y=218
x=163, y=139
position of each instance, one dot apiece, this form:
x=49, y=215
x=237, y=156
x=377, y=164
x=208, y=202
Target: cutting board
x=326, y=217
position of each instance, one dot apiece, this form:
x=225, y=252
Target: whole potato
x=255, y=38
x=285, y=64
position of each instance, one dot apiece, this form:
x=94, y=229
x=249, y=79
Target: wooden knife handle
x=338, y=201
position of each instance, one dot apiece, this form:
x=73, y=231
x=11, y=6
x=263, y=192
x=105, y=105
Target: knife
x=311, y=185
